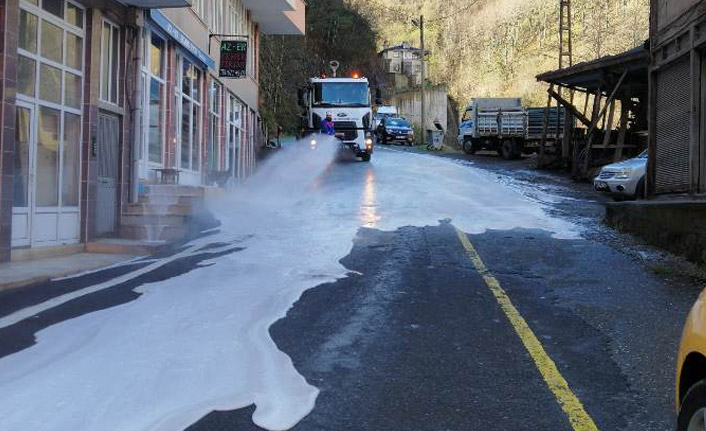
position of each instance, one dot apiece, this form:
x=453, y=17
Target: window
x=234, y=131
x=233, y=18
x=189, y=93
x=71, y=158
x=216, y=16
x=22, y=157
x=110, y=63
x=154, y=75
x=48, y=157
x=214, y=129
x=251, y=50
x=339, y=94
x=199, y=6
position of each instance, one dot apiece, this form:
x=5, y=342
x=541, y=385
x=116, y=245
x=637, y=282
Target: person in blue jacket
x=327, y=126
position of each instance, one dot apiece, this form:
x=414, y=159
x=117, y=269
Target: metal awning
x=604, y=73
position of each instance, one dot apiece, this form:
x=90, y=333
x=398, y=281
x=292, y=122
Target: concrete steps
x=168, y=189
x=158, y=209
x=164, y=212
x=153, y=220
x=170, y=199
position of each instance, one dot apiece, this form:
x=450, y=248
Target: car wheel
x=692, y=415
x=640, y=189
x=366, y=157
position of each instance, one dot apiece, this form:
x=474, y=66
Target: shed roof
x=603, y=73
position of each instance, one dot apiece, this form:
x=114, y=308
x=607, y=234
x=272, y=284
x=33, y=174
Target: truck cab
x=348, y=101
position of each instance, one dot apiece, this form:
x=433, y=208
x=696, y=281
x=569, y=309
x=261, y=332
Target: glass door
x=23, y=184
x=50, y=56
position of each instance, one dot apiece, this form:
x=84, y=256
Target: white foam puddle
x=199, y=342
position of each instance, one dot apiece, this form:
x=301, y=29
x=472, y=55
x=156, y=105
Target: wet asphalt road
x=414, y=339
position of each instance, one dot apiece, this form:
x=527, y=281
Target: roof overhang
x=602, y=74
x=286, y=17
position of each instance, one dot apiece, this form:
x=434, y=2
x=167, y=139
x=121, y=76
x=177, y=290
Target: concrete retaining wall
x=678, y=226
x=409, y=106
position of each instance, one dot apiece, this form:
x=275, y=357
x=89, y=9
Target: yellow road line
x=579, y=418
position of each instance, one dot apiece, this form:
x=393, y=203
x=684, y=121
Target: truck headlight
x=623, y=174
x=369, y=143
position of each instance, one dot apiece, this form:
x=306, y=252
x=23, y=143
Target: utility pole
x=420, y=24
x=566, y=58
x=424, y=108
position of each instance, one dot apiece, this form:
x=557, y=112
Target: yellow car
x=691, y=370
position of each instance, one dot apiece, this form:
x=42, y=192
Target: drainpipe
x=137, y=119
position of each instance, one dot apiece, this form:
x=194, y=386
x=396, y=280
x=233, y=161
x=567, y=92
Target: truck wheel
x=366, y=157
x=518, y=147
x=468, y=146
x=508, y=150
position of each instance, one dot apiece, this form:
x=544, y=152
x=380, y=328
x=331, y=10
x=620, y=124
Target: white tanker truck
x=348, y=101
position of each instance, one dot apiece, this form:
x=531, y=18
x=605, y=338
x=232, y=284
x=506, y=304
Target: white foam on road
x=200, y=341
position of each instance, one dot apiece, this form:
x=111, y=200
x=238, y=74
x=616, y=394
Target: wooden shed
x=591, y=92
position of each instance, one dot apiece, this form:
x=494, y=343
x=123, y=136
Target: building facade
x=677, y=105
x=403, y=65
x=101, y=97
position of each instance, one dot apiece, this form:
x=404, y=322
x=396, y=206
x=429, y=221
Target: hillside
x=496, y=47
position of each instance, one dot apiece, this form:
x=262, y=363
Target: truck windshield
x=353, y=94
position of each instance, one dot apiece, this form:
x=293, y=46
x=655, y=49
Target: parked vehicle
x=498, y=124
x=624, y=179
x=535, y=126
x=691, y=370
x=349, y=103
x=395, y=130
x=384, y=111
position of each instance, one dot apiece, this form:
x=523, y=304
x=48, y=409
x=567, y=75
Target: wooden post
x=566, y=140
x=567, y=105
x=608, y=101
x=624, y=117
x=545, y=130
x=586, y=166
x=609, y=125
